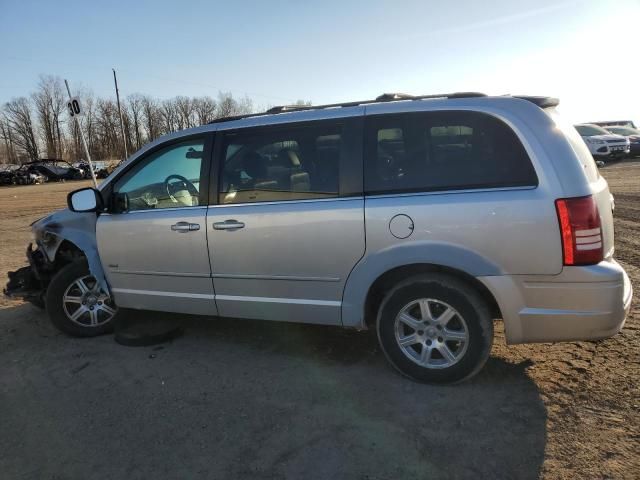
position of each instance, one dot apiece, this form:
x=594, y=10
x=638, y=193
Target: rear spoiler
x=542, y=102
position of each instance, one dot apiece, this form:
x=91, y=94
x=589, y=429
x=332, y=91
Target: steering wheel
x=184, y=184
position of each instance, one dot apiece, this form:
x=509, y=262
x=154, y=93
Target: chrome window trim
x=448, y=192
x=278, y=202
x=170, y=209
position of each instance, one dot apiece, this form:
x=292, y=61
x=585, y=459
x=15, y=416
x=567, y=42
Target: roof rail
x=286, y=108
x=542, y=102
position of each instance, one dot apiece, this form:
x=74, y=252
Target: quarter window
x=293, y=164
x=168, y=178
x=443, y=151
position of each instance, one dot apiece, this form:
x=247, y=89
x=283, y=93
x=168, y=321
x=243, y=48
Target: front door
x=288, y=226
x=155, y=250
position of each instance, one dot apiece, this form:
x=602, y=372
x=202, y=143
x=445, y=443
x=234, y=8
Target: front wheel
x=77, y=305
x=435, y=328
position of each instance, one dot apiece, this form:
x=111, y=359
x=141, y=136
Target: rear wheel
x=435, y=328
x=77, y=305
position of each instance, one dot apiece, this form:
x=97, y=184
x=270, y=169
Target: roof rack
x=542, y=102
x=385, y=97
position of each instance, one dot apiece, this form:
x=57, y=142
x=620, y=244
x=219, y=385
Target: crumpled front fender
x=77, y=228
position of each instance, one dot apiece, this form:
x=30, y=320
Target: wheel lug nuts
x=429, y=342
x=420, y=332
x=90, y=308
x=440, y=339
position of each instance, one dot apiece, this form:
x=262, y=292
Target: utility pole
x=124, y=138
x=74, y=114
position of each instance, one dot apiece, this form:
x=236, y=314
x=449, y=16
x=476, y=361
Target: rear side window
x=443, y=151
x=283, y=164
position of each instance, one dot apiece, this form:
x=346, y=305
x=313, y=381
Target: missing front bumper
x=30, y=282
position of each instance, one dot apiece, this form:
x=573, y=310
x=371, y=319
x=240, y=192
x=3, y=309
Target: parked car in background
x=603, y=144
x=633, y=134
x=617, y=123
x=422, y=218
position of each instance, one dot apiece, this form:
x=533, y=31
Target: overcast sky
x=584, y=51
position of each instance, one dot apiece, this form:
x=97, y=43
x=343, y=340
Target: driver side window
x=168, y=178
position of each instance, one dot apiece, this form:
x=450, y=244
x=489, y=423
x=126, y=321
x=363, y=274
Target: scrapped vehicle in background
x=25, y=175
x=602, y=144
x=633, y=134
x=8, y=174
x=54, y=170
x=104, y=169
x=422, y=217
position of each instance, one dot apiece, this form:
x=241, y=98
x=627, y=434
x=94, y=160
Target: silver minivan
x=423, y=217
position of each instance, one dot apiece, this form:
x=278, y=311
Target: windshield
x=624, y=131
x=590, y=130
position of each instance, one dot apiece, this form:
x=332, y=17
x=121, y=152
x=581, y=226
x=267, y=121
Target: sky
x=583, y=51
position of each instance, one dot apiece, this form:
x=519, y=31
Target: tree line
x=39, y=126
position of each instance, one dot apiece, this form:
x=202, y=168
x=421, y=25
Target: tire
x=449, y=343
x=99, y=312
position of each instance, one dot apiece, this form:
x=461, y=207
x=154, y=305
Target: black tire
x=468, y=304
x=55, y=308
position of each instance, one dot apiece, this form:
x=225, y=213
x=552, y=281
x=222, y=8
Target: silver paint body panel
x=314, y=261
x=290, y=262
x=150, y=266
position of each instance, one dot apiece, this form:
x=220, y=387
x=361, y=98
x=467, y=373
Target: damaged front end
x=60, y=238
x=30, y=282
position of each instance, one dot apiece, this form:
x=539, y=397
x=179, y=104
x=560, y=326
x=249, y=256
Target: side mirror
x=85, y=200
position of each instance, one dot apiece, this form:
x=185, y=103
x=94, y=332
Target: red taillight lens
x=580, y=230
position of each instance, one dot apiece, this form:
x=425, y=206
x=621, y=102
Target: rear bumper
x=580, y=303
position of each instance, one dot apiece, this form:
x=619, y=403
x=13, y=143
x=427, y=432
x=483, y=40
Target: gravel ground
x=245, y=399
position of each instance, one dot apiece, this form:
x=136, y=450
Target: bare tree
x=18, y=114
x=39, y=123
x=229, y=106
x=108, y=128
x=226, y=105
x=134, y=108
x=186, y=113
x=205, y=108
x=5, y=132
x=169, y=115
x=49, y=103
x=244, y=106
x=151, y=117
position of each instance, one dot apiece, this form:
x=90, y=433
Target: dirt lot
x=243, y=399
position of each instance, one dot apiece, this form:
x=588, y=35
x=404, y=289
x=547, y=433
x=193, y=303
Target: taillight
x=580, y=230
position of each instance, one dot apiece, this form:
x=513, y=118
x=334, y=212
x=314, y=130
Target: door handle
x=228, y=225
x=184, y=227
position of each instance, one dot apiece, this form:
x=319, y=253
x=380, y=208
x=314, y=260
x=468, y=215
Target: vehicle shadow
x=250, y=399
